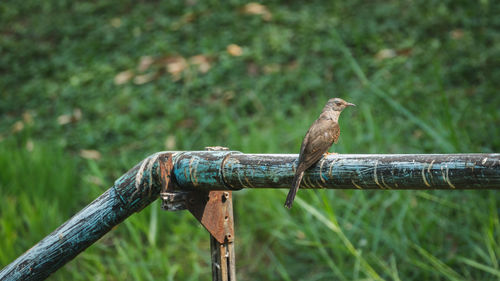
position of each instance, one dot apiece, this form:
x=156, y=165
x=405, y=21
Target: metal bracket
x=214, y=210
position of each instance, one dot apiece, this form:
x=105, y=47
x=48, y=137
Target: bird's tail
x=293, y=190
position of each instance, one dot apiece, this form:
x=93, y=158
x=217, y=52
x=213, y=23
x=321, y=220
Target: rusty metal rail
x=235, y=170
x=194, y=181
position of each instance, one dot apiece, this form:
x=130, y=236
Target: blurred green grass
x=424, y=77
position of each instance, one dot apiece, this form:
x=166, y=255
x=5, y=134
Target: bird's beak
x=350, y=104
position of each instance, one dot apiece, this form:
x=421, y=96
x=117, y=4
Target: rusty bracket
x=172, y=200
x=212, y=209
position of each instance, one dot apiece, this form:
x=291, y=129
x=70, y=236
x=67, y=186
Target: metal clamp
x=214, y=210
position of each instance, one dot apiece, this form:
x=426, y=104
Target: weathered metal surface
x=173, y=199
x=201, y=171
x=339, y=171
x=126, y=197
x=218, y=219
x=214, y=210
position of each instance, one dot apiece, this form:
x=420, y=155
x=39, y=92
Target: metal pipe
x=234, y=170
x=123, y=199
x=231, y=170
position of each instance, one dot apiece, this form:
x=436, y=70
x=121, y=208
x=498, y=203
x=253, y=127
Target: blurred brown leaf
x=405, y=52
x=143, y=79
x=77, y=115
x=202, y=62
x=28, y=118
x=145, y=62
x=234, y=50
x=17, y=127
x=257, y=9
x=68, y=118
x=385, y=54
x=123, y=77
x=175, y=66
x=90, y=154
x=64, y=119
x=457, y=34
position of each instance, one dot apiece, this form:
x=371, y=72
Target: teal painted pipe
x=83, y=229
x=232, y=170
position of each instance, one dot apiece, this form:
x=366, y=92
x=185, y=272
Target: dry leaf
x=28, y=118
x=68, y=118
x=234, y=50
x=170, y=142
x=405, y=52
x=18, y=126
x=77, y=115
x=257, y=9
x=176, y=65
x=385, y=54
x=143, y=79
x=457, y=34
x=64, y=119
x=123, y=77
x=145, y=63
x=202, y=62
x=90, y=154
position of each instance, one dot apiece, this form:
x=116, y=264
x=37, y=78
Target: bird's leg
x=329, y=153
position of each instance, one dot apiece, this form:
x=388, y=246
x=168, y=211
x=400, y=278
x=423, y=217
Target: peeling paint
x=356, y=185
x=216, y=170
x=424, y=178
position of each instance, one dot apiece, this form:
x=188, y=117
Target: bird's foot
x=329, y=153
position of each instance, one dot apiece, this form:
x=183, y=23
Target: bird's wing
x=336, y=132
x=317, y=141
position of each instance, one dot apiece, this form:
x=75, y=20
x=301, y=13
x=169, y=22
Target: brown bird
x=320, y=136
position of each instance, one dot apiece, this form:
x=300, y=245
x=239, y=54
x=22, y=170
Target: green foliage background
x=424, y=76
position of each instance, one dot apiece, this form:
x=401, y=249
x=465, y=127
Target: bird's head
x=337, y=104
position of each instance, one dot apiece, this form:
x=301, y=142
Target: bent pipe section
x=123, y=199
x=232, y=170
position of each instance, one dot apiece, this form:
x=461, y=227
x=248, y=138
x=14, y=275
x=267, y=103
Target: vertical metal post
x=223, y=258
